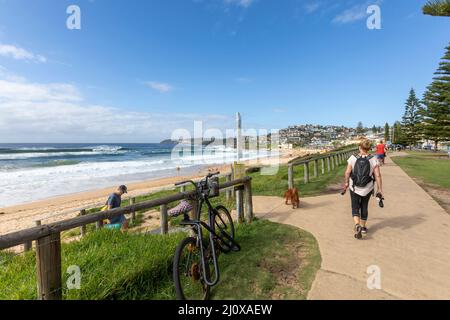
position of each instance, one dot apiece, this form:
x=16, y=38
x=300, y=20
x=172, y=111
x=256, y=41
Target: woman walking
x=361, y=174
x=381, y=152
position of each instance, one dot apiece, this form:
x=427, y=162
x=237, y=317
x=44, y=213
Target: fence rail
x=48, y=236
x=332, y=160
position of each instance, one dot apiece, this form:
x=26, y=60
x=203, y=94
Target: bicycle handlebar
x=210, y=175
x=184, y=182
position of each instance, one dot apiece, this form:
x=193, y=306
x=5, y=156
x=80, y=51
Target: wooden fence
x=48, y=237
x=327, y=164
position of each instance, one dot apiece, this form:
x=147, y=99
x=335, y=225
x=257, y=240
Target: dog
x=292, y=196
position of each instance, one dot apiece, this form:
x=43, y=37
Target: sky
x=137, y=70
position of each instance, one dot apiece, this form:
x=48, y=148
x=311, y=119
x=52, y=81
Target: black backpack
x=361, y=176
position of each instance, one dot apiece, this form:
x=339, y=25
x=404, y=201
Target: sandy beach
x=59, y=208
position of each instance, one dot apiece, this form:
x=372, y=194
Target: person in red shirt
x=381, y=152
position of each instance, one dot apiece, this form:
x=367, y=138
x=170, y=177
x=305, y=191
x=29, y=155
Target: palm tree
x=437, y=8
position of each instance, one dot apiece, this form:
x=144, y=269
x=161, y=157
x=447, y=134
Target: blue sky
x=139, y=69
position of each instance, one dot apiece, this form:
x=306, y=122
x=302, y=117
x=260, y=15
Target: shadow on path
x=402, y=223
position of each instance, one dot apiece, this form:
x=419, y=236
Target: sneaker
x=358, y=229
x=363, y=230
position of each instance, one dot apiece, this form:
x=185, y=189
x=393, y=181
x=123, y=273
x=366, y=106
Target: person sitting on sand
x=114, y=201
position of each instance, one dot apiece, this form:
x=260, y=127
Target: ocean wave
x=106, y=149
x=64, y=176
x=56, y=163
x=24, y=156
x=34, y=183
x=42, y=150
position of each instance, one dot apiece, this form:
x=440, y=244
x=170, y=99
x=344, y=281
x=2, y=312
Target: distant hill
x=169, y=141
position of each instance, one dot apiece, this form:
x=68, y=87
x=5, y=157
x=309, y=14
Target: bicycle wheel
x=188, y=272
x=223, y=225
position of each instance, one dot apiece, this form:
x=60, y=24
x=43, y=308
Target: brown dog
x=292, y=196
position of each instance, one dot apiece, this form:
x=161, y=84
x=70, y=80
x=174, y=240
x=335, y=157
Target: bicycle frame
x=197, y=226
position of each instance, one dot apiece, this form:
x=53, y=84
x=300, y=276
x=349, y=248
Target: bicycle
x=195, y=255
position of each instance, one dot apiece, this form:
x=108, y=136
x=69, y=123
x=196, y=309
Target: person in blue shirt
x=114, y=201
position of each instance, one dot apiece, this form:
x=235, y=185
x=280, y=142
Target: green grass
x=116, y=265
x=429, y=167
x=276, y=185
x=270, y=252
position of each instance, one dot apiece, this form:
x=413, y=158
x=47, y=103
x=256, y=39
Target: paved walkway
x=409, y=240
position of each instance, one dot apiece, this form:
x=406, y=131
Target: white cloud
x=159, y=86
x=36, y=112
x=312, y=6
x=14, y=90
x=243, y=80
x=354, y=13
x=11, y=51
x=241, y=3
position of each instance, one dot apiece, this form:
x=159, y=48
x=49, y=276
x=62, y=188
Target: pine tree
x=387, y=135
x=412, y=119
x=360, y=128
x=374, y=129
x=436, y=114
x=437, y=8
x=398, y=134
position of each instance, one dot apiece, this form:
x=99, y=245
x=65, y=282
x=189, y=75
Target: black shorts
x=360, y=205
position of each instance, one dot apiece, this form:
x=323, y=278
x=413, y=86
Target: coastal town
x=325, y=136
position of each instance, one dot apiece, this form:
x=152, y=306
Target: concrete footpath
x=408, y=240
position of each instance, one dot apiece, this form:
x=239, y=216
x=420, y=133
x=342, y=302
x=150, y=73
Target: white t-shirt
x=370, y=186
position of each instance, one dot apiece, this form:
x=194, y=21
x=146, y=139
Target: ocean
x=30, y=172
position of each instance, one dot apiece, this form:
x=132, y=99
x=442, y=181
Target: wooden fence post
x=83, y=227
x=164, y=219
x=194, y=210
x=328, y=164
x=240, y=204
x=229, y=192
x=291, y=176
x=248, y=201
x=48, y=267
x=323, y=165
x=316, y=169
x=133, y=212
x=306, y=166
x=332, y=162
x=29, y=244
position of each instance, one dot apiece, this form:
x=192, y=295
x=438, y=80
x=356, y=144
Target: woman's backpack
x=361, y=175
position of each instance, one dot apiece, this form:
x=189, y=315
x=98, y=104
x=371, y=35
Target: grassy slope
x=116, y=265
x=432, y=168
x=274, y=253
x=277, y=185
